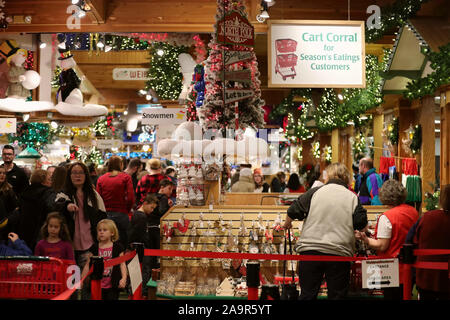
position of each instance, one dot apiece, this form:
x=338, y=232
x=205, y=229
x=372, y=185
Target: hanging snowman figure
x=69, y=82
x=20, y=80
x=69, y=95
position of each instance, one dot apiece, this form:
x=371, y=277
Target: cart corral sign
x=316, y=54
x=234, y=28
x=381, y=273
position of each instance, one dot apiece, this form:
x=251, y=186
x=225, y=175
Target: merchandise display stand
x=226, y=228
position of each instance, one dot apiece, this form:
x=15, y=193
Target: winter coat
x=36, y=202
x=245, y=184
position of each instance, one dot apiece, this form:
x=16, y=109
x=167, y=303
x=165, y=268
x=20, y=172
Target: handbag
x=288, y=290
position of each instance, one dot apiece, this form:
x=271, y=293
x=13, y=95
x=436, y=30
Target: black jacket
x=18, y=179
x=35, y=204
x=117, y=250
x=94, y=215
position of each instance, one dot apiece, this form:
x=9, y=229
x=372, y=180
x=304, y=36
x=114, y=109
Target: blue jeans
x=122, y=221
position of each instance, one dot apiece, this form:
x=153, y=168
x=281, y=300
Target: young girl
x=108, y=247
x=55, y=239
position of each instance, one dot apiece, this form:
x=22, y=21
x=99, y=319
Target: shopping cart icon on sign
x=286, y=60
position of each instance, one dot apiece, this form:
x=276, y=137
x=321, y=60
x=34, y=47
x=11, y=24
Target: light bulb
x=340, y=96
x=160, y=52
x=42, y=45
x=26, y=117
x=54, y=124
x=148, y=97
x=142, y=91
x=125, y=112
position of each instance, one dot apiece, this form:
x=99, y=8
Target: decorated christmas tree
x=233, y=94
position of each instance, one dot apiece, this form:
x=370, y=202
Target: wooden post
x=427, y=159
x=445, y=138
x=335, y=145
x=377, y=139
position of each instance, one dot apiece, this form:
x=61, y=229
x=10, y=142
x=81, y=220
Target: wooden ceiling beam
x=99, y=9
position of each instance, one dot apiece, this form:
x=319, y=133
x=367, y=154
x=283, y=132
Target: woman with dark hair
x=59, y=178
x=392, y=228
x=433, y=233
x=36, y=202
x=294, y=185
x=6, y=193
x=82, y=208
x=116, y=189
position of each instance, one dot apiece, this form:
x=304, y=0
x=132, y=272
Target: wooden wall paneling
x=427, y=116
x=190, y=268
x=335, y=146
x=445, y=140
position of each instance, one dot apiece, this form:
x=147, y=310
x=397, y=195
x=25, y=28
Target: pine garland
x=416, y=142
x=393, y=133
x=165, y=76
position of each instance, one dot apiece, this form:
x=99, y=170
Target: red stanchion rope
x=113, y=262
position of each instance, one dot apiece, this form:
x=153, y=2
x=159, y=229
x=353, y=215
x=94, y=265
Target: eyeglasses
x=7, y=154
x=77, y=173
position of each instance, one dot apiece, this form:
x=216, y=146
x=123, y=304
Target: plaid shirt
x=148, y=184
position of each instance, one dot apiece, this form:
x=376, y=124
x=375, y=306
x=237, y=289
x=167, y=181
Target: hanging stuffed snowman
x=187, y=65
x=21, y=82
x=69, y=95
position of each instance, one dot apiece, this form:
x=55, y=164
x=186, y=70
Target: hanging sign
x=8, y=125
x=232, y=95
x=231, y=57
x=316, y=54
x=130, y=74
x=108, y=143
x=381, y=273
x=164, y=116
x=235, y=29
x=244, y=76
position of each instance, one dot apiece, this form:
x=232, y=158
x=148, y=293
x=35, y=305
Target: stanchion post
x=252, y=280
x=139, y=247
x=407, y=259
x=96, y=277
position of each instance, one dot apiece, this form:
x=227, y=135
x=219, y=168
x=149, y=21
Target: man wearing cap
x=150, y=182
x=16, y=176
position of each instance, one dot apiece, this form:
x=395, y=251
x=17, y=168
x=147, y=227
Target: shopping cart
x=286, y=60
x=31, y=277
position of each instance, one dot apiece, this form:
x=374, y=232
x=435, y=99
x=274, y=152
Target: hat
x=155, y=164
x=257, y=171
x=63, y=50
x=8, y=48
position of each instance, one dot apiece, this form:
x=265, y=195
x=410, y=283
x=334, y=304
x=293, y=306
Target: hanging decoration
x=74, y=153
x=393, y=17
x=94, y=156
x=233, y=89
x=31, y=134
x=416, y=141
x=393, y=134
x=3, y=18
x=327, y=154
x=440, y=63
x=359, y=147
x=166, y=78
x=297, y=106
x=300, y=153
x=315, y=149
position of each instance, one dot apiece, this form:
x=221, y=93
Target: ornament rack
x=213, y=230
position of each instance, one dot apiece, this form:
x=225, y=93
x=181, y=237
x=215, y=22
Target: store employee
x=16, y=176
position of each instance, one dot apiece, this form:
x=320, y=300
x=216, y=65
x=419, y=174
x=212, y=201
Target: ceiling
x=193, y=16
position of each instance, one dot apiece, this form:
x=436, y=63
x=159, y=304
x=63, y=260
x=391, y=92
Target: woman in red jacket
x=391, y=229
x=432, y=233
x=116, y=189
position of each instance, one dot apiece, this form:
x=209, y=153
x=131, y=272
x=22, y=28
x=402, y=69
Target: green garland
x=393, y=17
x=440, y=63
x=31, y=134
x=416, y=142
x=165, y=76
x=393, y=131
x=359, y=148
